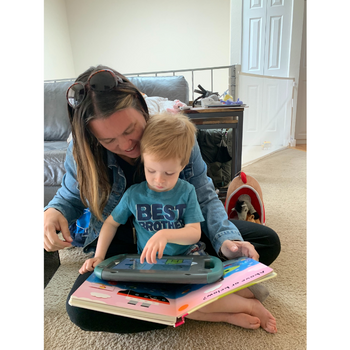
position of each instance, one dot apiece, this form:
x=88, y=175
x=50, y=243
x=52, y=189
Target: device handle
x=217, y=269
x=98, y=269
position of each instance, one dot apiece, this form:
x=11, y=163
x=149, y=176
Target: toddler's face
x=162, y=175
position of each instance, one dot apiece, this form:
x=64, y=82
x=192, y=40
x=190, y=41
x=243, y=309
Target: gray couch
x=57, y=127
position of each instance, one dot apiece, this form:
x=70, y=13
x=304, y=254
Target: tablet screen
x=162, y=264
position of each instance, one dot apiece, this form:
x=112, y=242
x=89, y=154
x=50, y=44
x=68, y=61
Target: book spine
x=180, y=322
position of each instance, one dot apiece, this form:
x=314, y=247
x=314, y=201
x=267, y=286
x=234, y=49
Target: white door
x=266, y=41
x=253, y=36
x=266, y=37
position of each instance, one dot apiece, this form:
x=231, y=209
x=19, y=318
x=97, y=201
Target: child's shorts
x=197, y=249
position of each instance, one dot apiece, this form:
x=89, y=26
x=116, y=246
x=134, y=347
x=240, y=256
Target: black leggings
x=264, y=239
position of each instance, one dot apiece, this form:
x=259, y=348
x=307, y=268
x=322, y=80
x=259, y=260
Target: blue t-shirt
x=154, y=211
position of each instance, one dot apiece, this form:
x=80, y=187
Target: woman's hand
x=235, y=249
x=155, y=244
x=54, y=220
x=90, y=264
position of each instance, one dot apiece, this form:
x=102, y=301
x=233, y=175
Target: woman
x=108, y=115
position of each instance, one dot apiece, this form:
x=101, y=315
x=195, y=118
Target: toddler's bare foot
x=267, y=321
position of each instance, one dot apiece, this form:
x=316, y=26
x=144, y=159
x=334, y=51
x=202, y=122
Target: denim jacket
x=216, y=225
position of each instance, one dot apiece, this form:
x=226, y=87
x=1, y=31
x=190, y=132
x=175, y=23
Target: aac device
x=189, y=269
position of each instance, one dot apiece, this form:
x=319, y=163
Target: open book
x=166, y=303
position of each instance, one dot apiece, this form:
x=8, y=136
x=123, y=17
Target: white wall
x=294, y=68
x=236, y=32
x=137, y=35
x=297, y=31
x=58, y=58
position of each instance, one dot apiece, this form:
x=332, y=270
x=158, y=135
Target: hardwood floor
x=300, y=147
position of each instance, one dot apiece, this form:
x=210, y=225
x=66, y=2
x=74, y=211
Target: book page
x=145, y=297
x=237, y=273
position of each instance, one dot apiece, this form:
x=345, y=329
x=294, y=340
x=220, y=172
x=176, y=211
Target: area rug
x=282, y=177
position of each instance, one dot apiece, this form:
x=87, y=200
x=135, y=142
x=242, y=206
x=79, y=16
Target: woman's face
x=121, y=132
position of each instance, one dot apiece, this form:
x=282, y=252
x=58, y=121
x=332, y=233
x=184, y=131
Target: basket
x=244, y=185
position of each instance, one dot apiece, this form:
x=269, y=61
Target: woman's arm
x=222, y=233
x=216, y=226
x=67, y=199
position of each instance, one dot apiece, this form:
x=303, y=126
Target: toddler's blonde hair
x=169, y=136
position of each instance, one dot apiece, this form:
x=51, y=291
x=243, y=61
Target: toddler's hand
x=89, y=265
x=155, y=244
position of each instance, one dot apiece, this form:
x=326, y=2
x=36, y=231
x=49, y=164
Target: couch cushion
x=172, y=87
x=54, y=157
x=56, y=122
x=49, y=193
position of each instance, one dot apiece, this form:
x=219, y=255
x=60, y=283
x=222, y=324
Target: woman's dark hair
x=90, y=156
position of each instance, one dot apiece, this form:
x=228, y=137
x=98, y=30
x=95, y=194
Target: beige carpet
x=282, y=177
